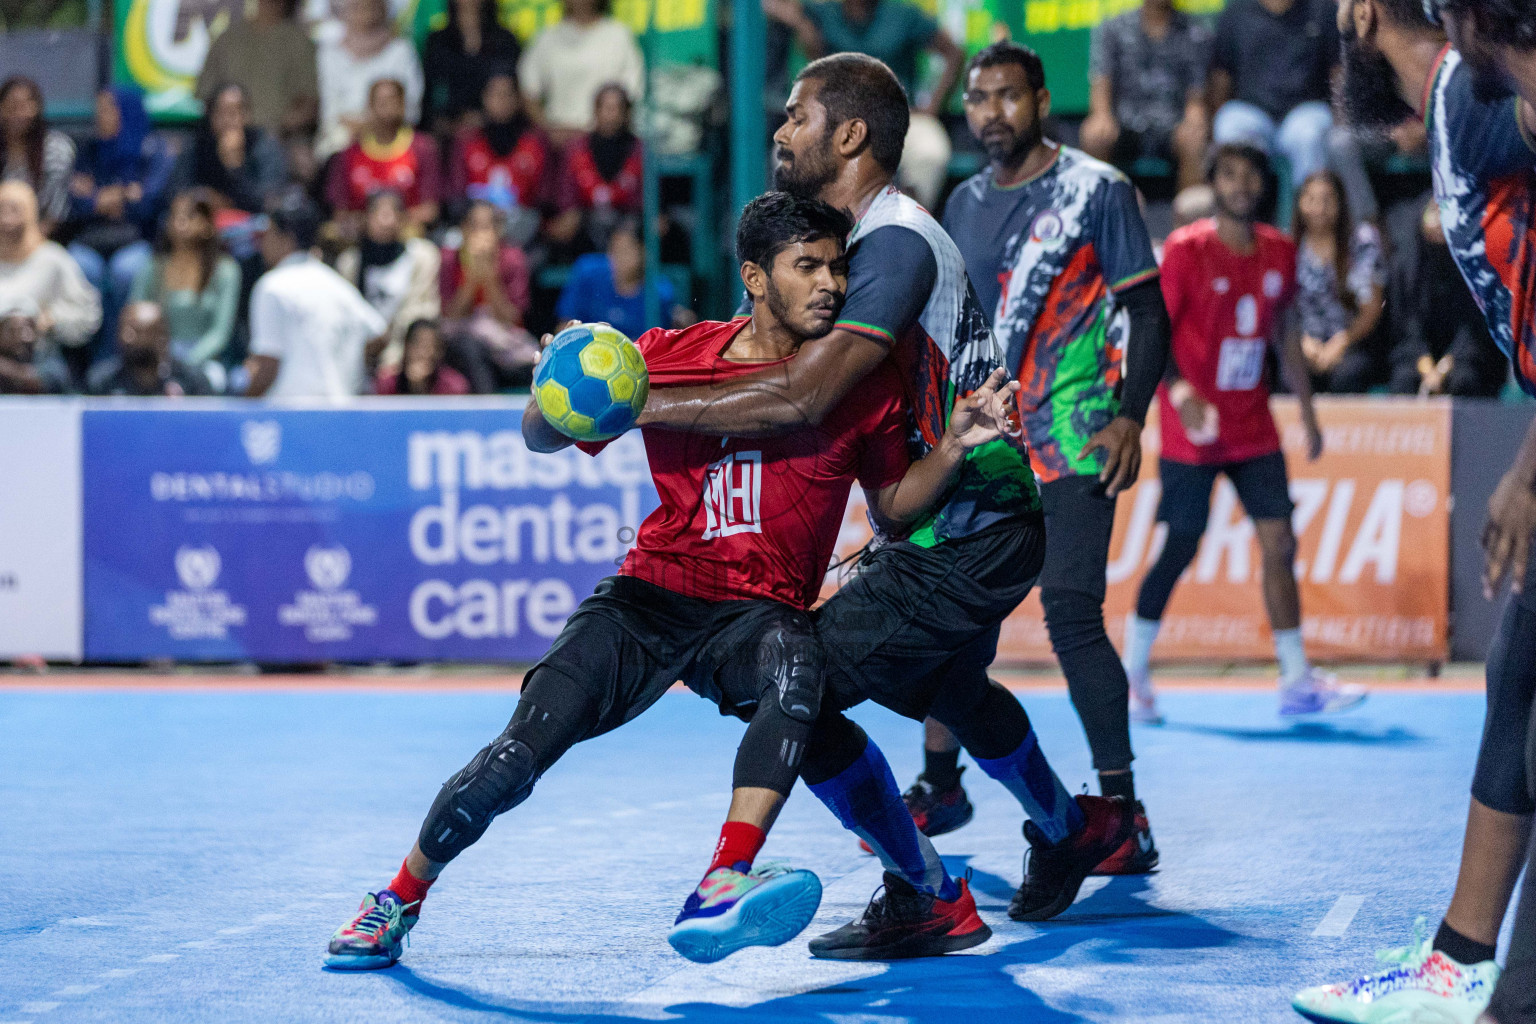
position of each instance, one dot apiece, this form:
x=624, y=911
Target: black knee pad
x=790, y=662
x=1073, y=618
x=498, y=779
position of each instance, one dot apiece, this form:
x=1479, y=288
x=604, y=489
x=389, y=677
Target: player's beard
x=1010, y=148
x=1370, y=97
x=807, y=173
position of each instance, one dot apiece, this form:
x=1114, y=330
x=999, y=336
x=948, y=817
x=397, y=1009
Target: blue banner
x=401, y=531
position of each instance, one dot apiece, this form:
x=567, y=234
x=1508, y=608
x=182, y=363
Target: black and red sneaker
x=935, y=811
x=902, y=921
x=1053, y=874
x=1137, y=855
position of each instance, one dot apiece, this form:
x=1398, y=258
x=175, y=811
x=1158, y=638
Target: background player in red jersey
x=1227, y=282
x=715, y=593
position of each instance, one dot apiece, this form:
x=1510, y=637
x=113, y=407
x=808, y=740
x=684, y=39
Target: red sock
x=738, y=846
x=409, y=888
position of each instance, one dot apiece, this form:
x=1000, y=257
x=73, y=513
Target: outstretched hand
x=985, y=414
x=1121, y=441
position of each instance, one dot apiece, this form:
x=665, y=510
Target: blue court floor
x=185, y=855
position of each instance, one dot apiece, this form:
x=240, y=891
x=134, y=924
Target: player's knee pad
x=1073, y=618
x=791, y=662
x=498, y=779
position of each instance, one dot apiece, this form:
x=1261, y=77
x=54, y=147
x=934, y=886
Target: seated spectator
x=389, y=155
x=600, y=178
x=144, y=366
x=569, y=62
x=120, y=176
x=610, y=287
x=1147, y=72
x=33, y=152
x=422, y=370
x=272, y=58
x=34, y=269
x=312, y=333
x=195, y=284
x=24, y=368
x=239, y=163
x=484, y=296
x=367, y=51
x=1340, y=282
x=459, y=59
x=1440, y=340
x=897, y=32
x=1271, y=78
x=502, y=161
x=397, y=275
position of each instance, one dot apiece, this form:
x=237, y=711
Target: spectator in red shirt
x=422, y=370
x=388, y=156
x=485, y=293
x=502, y=161
x=600, y=178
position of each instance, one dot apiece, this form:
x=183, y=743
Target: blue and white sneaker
x=731, y=910
x=376, y=935
x=1319, y=693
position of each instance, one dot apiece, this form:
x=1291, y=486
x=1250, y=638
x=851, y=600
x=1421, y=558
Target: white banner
x=40, y=604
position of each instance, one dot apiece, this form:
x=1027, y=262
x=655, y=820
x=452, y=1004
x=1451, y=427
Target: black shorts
x=1261, y=485
x=1079, y=519
x=912, y=616
x=631, y=640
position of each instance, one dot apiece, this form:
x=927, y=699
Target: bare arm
x=538, y=434
x=1220, y=89
x=953, y=57
x=773, y=401
x=792, y=16
x=263, y=372
x=1293, y=368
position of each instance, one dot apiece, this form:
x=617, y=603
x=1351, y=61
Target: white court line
x=120, y=972
x=76, y=990
x=37, y=1007
x=1336, y=922
x=161, y=958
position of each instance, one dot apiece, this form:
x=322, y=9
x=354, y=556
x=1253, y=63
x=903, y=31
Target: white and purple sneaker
x=1319, y=693
x=732, y=909
x=1424, y=986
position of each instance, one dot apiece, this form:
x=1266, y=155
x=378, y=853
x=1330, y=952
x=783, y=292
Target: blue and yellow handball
x=591, y=383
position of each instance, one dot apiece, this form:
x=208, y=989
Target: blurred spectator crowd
x=352, y=216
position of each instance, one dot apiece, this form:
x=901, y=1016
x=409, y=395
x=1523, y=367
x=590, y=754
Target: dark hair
x=379, y=195
x=1343, y=229
x=1504, y=21
x=487, y=15
x=210, y=250
x=294, y=214
x=1008, y=52
x=856, y=87
x=393, y=83
x=774, y=221
x=37, y=131
x=1255, y=156
x=607, y=87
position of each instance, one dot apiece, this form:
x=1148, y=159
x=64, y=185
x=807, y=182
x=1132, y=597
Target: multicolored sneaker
x=1054, y=873
x=375, y=937
x=935, y=811
x=1137, y=855
x=1319, y=693
x=1423, y=985
x=731, y=910
x=901, y=921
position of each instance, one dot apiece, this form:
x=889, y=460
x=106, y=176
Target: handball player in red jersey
x=715, y=593
x=1227, y=282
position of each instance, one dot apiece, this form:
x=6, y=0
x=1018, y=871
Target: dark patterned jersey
x=908, y=288
x=1482, y=163
x=1047, y=257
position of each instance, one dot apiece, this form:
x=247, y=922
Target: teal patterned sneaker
x=731, y=910
x=1424, y=986
x=375, y=937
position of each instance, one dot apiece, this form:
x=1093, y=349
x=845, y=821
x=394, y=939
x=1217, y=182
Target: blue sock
x=865, y=799
x=1028, y=776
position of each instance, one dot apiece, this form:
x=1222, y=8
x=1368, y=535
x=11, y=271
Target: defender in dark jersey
x=917, y=627
x=1398, y=65
x=1056, y=249
x=715, y=593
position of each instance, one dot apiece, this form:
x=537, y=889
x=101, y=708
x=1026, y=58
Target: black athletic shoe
x=935, y=811
x=903, y=922
x=1053, y=874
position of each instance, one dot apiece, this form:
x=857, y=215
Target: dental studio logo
x=327, y=613
x=198, y=611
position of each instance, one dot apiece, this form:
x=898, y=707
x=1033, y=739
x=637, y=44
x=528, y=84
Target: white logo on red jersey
x=1273, y=283
x=1221, y=285
x=733, y=495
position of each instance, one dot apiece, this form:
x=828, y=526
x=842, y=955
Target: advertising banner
x=402, y=531
x=40, y=529
x=1372, y=520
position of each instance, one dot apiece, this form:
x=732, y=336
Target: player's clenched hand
x=1121, y=441
x=983, y=415
x=1507, y=537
